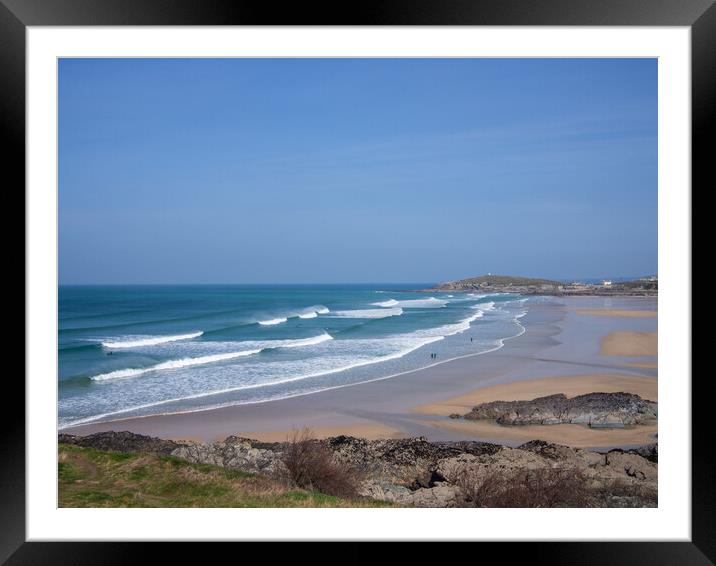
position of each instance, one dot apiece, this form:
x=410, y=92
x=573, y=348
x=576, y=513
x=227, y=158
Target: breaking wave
x=308, y=312
x=173, y=364
x=367, y=313
x=272, y=321
x=388, y=303
x=138, y=342
x=186, y=362
x=430, y=302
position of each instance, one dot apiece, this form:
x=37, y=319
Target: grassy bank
x=93, y=478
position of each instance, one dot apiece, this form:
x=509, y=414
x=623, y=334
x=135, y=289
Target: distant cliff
x=499, y=280
x=536, y=286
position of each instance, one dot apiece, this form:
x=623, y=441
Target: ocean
x=136, y=350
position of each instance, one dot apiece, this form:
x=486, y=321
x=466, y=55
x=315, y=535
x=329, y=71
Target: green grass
x=94, y=478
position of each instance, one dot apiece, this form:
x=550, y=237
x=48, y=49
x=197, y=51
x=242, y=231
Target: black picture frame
x=699, y=15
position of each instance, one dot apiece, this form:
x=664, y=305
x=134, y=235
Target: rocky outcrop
x=416, y=472
x=235, y=452
x=406, y=461
x=122, y=442
x=650, y=452
x=597, y=410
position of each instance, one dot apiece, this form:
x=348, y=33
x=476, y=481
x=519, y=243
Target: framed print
x=410, y=275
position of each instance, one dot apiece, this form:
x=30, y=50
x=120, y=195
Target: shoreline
x=369, y=381
x=557, y=343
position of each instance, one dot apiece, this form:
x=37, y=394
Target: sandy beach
x=612, y=312
x=622, y=343
x=573, y=435
x=571, y=386
x=561, y=351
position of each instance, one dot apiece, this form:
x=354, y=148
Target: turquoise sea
x=138, y=350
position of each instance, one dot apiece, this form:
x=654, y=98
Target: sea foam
x=213, y=358
x=272, y=321
x=138, y=342
x=368, y=313
x=173, y=364
x=484, y=306
x=307, y=312
x=388, y=303
x=430, y=302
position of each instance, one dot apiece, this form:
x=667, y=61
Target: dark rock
x=414, y=471
x=547, y=450
x=597, y=410
x=650, y=452
x=474, y=447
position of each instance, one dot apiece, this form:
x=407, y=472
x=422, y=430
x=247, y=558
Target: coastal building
x=607, y=283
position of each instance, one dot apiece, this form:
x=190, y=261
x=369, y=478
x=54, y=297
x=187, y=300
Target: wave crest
x=430, y=302
x=186, y=362
x=484, y=307
x=272, y=321
x=368, y=313
x=388, y=303
x=137, y=342
x=173, y=364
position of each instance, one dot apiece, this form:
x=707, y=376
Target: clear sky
x=355, y=170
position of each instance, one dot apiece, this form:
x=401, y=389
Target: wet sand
x=558, y=343
x=369, y=431
x=576, y=436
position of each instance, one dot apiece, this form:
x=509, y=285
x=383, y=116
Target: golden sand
x=643, y=365
x=572, y=435
x=571, y=386
x=620, y=313
x=623, y=343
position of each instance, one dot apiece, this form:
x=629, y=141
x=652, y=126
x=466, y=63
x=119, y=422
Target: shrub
x=622, y=493
x=310, y=465
x=542, y=487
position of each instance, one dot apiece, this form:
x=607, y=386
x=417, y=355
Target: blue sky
x=355, y=170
